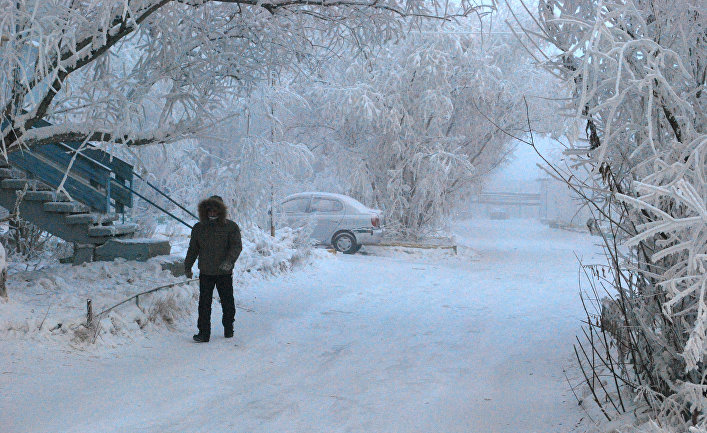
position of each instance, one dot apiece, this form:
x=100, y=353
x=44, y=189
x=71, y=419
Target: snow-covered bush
x=267, y=255
x=169, y=307
x=635, y=70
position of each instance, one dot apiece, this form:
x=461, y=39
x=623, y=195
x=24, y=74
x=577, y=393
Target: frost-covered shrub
x=264, y=254
x=168, y=307
x=635, y=71
x=248, y=173
x=653, y=427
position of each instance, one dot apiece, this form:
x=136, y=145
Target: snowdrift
x=49, y=305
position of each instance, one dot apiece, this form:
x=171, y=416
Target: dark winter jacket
x=217, y=244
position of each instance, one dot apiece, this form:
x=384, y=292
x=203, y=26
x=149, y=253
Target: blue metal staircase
x=99, y=187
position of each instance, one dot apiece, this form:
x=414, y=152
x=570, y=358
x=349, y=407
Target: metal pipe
x=156, y=205
x=164, y=195
x=108, y=194
x=108, y=187
x=79, y=152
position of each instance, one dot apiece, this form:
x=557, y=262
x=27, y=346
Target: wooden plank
x=52, y=176
x=95, y=175
x=121, y=195
x=95, y=178
x=418, y=246
x=119, y=167
x=122, y=170
x=80, y=166
x=90, y=171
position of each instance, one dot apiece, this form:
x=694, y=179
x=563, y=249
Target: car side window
x=326, y=205
x=296, y=205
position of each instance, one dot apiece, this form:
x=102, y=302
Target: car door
x=327, y=213
x=294, y=211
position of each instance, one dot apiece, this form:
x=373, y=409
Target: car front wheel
x=345, y=243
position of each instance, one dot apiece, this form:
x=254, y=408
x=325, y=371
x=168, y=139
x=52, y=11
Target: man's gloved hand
x=225, y=267
x=189, y=274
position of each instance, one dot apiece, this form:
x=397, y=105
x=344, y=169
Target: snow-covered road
x=364, y=343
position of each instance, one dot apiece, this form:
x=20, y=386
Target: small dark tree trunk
x=3, y=289
x=3, y=272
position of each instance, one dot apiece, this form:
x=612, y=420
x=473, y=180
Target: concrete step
x=66, y=207
x=33, y=185
x=46, y=196
x=133, y=249
x=40, y=196
x=11, y=173
x=92, y=218
x=112, y=230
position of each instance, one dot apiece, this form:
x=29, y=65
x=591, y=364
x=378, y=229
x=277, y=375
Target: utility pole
x=272, y=203
x=272, y=163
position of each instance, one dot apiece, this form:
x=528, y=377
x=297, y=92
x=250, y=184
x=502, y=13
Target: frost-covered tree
x=246, y=159
x=144, y=71
x=407, y=130
x=636, y=71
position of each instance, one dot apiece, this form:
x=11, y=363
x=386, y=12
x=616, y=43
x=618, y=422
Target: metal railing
x=168, y=198
x=168, y=213
x=114, y=179
x=91, y=176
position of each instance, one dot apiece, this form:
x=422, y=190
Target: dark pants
x=224, y=285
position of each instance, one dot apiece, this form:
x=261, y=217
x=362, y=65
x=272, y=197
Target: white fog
x=353, y=216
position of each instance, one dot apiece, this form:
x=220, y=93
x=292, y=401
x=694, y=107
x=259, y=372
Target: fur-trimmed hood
x=216, y=203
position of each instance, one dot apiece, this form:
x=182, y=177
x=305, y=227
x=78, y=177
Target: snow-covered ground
x=383, y=342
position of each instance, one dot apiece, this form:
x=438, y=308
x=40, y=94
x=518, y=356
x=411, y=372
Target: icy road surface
x=364, y=343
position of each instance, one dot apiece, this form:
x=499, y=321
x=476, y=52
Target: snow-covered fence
x=512, y=204
x=136, y=297
x=93, y=321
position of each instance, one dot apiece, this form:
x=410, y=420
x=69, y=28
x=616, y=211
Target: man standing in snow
x=216, y=241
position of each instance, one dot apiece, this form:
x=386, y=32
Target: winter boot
x=228, y=333
x=201, y=338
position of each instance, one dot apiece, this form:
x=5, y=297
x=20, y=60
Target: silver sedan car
x=336, y=220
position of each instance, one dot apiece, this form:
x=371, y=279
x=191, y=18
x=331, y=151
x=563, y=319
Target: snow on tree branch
x=636, y=71
x=135, y=66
